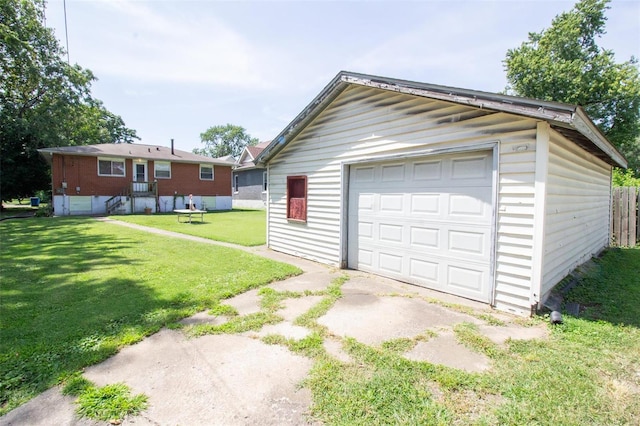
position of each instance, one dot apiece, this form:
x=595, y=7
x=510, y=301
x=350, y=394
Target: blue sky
x=174, y=68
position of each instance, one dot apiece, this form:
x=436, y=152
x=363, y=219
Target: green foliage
x=625, y=177
x=238, y=324
x=469, y=336
x=400, y=345
x=223, y=310
x=332, y=294
x=564, y=63
x=310, y=346
x=76, y=384
x=45, y=101
x=221, y=141
x=110, y=402
x=612, y=292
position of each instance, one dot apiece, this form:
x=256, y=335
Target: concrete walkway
x=239, y=380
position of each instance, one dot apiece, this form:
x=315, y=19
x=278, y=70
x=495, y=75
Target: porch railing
x=146, y=188
x=133, y=190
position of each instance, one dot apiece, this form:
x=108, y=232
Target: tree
x=221, y=141
x=564, y=63
x=44, y=101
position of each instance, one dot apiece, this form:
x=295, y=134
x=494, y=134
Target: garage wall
x=577, y=208
x=366, y=124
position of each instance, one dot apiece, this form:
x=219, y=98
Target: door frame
x=493, y=146
x=144, y=163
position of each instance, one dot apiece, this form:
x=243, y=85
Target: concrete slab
x=293, y=308
x=51, y=408
x=373, y=319
x=245, y=303
x=375, y=284
x=214, y=380
x=285, y=329
x=316, y=281
x=204, y=318
x=445, y=350
x=334, y=348
x=500, y=335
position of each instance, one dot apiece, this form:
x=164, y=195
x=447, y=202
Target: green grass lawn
x=586, y=373
x=219, y=226
x=74, y=290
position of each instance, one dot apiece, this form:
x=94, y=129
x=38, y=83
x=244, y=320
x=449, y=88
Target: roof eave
x=173, y=157
x=328, y=94
x=563, y=115
x=584, y=125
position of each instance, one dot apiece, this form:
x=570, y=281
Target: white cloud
x=165, y=42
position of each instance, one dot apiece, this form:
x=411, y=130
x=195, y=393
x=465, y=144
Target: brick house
x=129, y=178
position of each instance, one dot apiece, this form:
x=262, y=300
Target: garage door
x=426, y=221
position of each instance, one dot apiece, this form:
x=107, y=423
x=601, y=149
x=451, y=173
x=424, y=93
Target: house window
x=110, y=167
x=235, y=183
x=264, y=181
x=206, y=172
x=297, y=198
x=162, y=169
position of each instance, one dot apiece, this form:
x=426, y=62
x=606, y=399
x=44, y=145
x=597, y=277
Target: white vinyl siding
x=577, y=209
x=365, y=123
x=515, y=227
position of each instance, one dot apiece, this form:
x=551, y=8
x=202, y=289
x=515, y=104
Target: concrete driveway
x=238, y=379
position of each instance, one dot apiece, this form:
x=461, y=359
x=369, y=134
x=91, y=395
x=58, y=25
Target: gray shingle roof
x=139, y=151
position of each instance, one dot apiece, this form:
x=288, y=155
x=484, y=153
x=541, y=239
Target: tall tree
x=565, y=64
x=44, y=101
x=221, y=141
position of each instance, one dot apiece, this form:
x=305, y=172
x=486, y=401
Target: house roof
x=249, y=154
x=257, y=149
x=136, y=151
x=569, y=120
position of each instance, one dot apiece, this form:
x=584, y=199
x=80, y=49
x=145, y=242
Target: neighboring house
x=250, y=180
x=127, y=178
x=491, y=197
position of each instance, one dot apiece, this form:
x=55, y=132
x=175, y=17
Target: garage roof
x=569, y=120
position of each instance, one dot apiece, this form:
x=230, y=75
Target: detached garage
x=490, y=197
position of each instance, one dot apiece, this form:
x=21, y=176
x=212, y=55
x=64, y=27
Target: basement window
x=297, y=198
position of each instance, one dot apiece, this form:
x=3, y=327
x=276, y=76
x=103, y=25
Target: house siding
x=249, y=184
x=81, y=176
x=369, y=124
x=577, y=207
x=186, y=176
x=82, y=171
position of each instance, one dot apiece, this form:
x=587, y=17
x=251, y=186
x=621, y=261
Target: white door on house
x=427, y=221
x=140, y=177
x=140, y=174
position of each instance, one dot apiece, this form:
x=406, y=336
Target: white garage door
x=425, y=221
